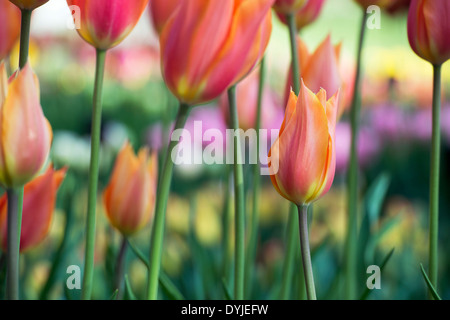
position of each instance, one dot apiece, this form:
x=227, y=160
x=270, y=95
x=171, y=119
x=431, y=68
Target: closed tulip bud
x=288, y=6
x=303, y=158
x=429, y=29
x=28, y=4
x=106, y=23
x=38, y=205
x=130, y=195
x=208, y=46
x=320, y=69
x=25, y=133
x=161, y=11
x=9, y=27
x=306, y=15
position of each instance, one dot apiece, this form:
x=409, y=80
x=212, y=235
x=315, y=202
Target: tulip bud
x=28, y=4
x=9, y=27
x=429, y=29
x=130, y=195
x=25, y=133
x=303, y=158
x=38, y=205
x=160, y=12
x=106, y=23
x=200, y=62
x=288, y=6
x=306, y=15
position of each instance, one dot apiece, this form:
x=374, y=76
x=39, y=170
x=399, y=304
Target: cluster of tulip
x=208, y=49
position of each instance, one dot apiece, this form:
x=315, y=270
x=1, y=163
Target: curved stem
x=239, y=212
x=352, y=228
x=93, y=176
x=252, y=244
x=294, y=52
x=306, y=252
x=24, y=37
x=434, y=177
x=120, y=267
x=160, y=209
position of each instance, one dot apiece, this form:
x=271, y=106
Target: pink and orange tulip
x=306, y=15
x=129, y=198
x=303, y=158
x=208, y=46
x=26, y=135
x=29, y=4
x=9, y=27
x=38, y=206
x=429, y=30
x=320, y=69
x=160, y=12
x=106, y=23
x=288, y=6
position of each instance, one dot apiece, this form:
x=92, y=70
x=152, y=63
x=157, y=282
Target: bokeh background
x=394, y=153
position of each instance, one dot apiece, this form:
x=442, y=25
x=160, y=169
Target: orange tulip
x=106, y=23
x=28, y=4
x=9, y=27
x=130, y=195
x=288, y=6
x=38, y=206
x=25, y=133
x=160, y=12
x=303, y=158
x=321, y=70
x=306, y=15
x=429, y=29
x=208, y=46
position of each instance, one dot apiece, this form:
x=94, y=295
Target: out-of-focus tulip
x=380, y=3
x=9, y=27
x=38, y=206
x=321, y=70
x=247, y=99
x=289, y=6
x=303, y=158
x=429, y=29
x=106, y=23
x=26, y=135
x=200, y=62
x=306, y=15
x=160, y=12
x=130, y=195
x=28, y=4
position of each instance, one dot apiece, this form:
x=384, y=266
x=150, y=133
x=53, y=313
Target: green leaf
x=114, y=295
x=429, y=284
x=169, y=287
x=129, y=295
x=367, y=292
x=375, y=197
x=226, y=290
x=138, y=253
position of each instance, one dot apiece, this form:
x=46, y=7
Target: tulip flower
x=129, y=197
x=38, y=206
x=303, y=158
x=429, y=30
x=306, y=15
x=288, y=6
x=9, y=28
x=321, y=70
x=200, y=62
x=26, y=134
x=28, y=4
x=106, y=23
x=160, y=12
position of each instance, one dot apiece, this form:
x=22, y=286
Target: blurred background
x=393, y=150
